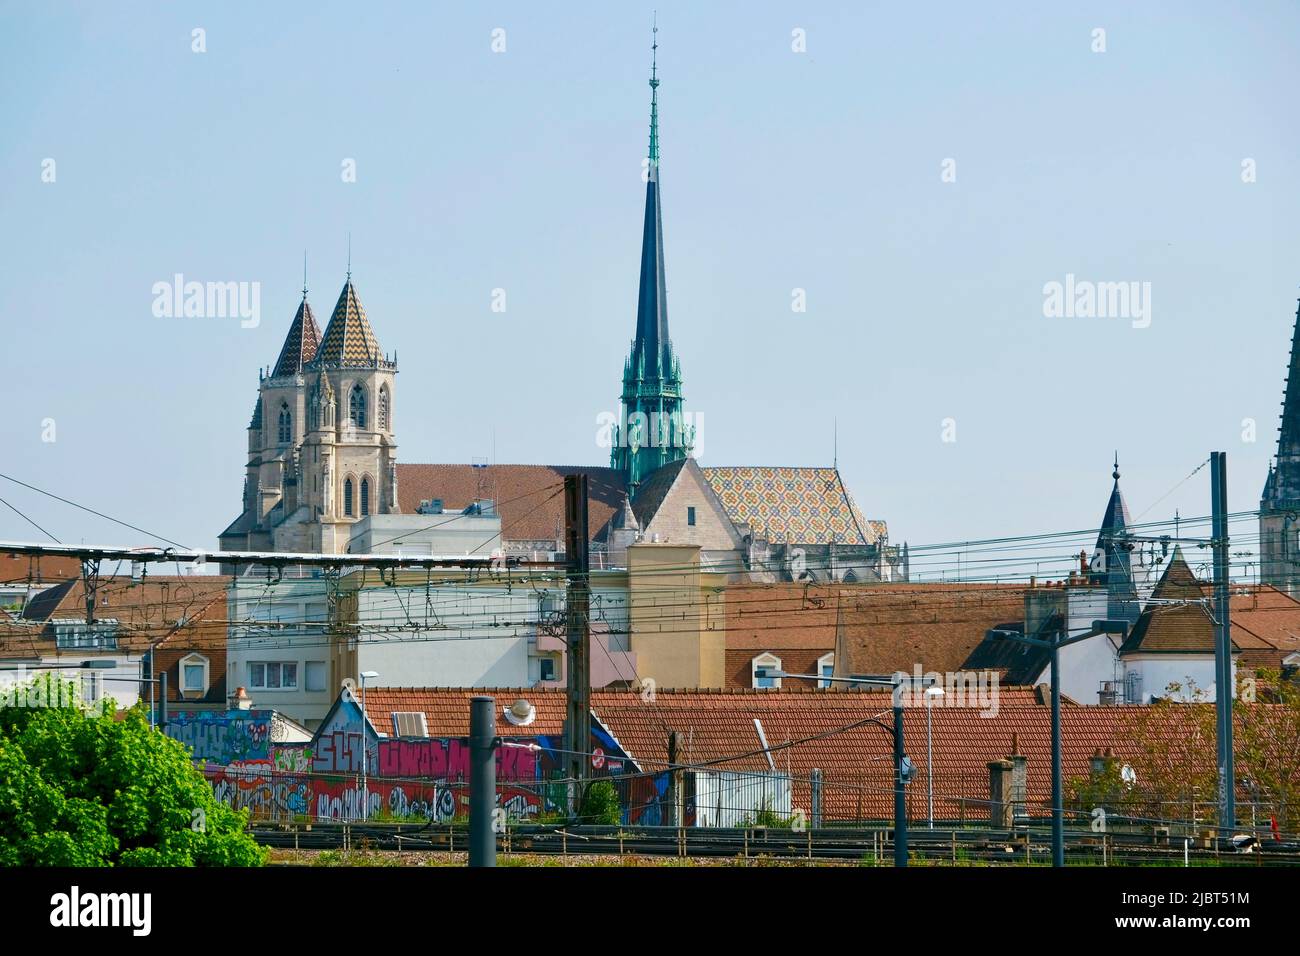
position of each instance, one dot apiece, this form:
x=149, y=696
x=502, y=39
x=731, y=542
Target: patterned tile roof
x=793, y=505
x=300, y=344
x=349, y=340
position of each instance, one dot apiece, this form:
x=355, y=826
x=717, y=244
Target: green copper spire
x=653, y=429
x=654, y=96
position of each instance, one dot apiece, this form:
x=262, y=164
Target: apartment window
x=547, y=665
x=78, y=635
x=315, y=675
x=768, y=663
x=690, y=516
x=273, y=675
x=826, y=668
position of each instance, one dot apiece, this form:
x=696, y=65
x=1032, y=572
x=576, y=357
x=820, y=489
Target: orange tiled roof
x=18, y=568
x=529, y=498
x=856, y=763
x=892, y=627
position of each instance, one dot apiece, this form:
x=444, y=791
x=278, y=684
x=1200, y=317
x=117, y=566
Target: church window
x=286, y=424
x=347, y=497
x=357, y=406
x=383, y=408
x=365, y=496
x=690, y=516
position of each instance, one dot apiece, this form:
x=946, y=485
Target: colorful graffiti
x=407, y=777
x=448, y=758
x=223, y=738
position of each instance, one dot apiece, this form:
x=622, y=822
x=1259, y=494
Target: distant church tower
x=321, y=449
x=1279, y=506
x=651, y=432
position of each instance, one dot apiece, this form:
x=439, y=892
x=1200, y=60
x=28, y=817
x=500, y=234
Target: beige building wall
x=670, y=605
x=712, y=531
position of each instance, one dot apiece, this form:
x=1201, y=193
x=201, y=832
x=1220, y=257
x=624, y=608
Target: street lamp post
x=1054, y=639
x=930, y=694
x=365, y=747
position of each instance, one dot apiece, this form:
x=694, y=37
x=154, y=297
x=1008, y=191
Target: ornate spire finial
x=304, y=275
x=654, y=91
x=349, y=255
x=1115, y=473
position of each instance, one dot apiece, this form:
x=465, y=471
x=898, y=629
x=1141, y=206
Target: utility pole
x=900, y=783
x=482, y=781
x=674, y=780
x=577, y=608
x=1224, y=688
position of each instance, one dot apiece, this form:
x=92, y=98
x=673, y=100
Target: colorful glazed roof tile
x=300, y=344
x=793, y=505
x=349, y=340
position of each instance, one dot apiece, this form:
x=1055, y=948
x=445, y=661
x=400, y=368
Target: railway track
x=862, y=845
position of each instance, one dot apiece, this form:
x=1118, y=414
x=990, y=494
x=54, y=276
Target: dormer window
x=194, y=675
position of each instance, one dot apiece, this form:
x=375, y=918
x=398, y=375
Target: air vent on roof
x=410, y=723
x=431, y=506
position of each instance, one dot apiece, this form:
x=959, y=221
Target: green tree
x=82, y=788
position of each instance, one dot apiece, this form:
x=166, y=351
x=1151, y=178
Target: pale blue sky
x=521, y=170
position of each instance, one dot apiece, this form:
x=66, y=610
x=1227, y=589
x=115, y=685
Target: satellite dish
x=1128, y=775
x=521, y=713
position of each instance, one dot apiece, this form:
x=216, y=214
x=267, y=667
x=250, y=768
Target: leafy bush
x=84, y=789
x=600, y=805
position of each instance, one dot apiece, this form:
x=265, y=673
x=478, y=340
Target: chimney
x=1019, y=778
x=1001, y=810
x=240, y=700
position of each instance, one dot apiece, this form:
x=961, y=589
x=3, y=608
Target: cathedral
x=322, y=457
x=1279, y=506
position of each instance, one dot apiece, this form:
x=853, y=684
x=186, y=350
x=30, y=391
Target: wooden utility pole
x=577, y=614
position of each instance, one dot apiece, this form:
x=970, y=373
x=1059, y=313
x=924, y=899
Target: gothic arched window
x=357, y=406
x=286, y=424
x=365, y=496
x=347, y=497
x=383, y=408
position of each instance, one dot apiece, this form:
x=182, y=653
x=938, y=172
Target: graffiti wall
x=223, y=738
x=406, y=778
